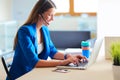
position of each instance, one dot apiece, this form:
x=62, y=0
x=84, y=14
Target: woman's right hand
x=75, y=59
x=69, y=60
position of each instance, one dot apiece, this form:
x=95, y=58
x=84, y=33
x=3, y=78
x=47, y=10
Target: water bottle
x=85, y=45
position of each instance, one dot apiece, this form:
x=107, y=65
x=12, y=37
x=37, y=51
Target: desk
x=101, y=70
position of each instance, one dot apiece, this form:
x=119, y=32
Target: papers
x=73, y=51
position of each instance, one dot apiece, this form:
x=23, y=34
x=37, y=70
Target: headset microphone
x=44, y=20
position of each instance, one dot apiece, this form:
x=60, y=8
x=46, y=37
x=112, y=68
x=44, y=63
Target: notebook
x=92, y=58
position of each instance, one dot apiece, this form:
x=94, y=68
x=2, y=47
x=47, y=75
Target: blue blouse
x=26, y=53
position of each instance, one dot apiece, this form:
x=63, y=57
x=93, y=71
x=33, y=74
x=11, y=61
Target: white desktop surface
x=101, y=70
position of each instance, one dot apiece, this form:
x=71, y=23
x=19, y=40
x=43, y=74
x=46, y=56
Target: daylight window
x=62, y=6
x=85, y=5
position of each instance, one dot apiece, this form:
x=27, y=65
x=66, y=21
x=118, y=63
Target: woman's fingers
x=73, y=60
x=77, y=59
x=82, y=59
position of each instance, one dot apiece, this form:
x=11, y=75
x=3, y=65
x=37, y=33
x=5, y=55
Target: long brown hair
x=40, y=7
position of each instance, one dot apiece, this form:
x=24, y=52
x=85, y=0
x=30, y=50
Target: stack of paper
x=73, y=51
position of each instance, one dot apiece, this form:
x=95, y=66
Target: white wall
x=108, y=21
x=108, y=18
x=5, y=10
x=21, y=9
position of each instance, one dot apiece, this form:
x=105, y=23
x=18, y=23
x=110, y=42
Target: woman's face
x=48, y=16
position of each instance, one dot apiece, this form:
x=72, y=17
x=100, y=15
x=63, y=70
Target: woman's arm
x=51, y=63
x=59, y=60
x=61, y=56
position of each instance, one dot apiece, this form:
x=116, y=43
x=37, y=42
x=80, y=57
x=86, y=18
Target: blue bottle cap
x=85, y=43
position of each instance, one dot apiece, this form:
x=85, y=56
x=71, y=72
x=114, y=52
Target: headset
x=42, y=4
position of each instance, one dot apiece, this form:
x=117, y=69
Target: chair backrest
x=7, y=58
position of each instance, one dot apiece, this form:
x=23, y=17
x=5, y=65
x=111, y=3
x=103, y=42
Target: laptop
x=92, y=58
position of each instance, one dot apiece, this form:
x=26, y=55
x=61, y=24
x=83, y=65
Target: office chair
x=7, y=58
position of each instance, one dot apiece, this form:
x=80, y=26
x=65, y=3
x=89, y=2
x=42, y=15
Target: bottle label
x=85, y=48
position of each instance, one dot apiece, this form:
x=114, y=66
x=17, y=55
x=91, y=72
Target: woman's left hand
x=81, y=58
x=77, y=59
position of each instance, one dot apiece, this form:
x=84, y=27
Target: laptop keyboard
x=79, y=65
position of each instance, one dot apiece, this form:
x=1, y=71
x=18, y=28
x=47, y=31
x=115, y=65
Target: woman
x=33, y=44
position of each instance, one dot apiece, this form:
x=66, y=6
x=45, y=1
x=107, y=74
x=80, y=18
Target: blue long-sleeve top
x=26, y=52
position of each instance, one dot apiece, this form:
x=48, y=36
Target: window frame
x=72, y=13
